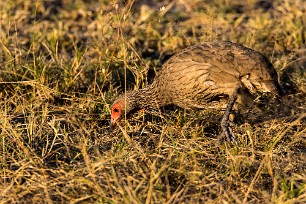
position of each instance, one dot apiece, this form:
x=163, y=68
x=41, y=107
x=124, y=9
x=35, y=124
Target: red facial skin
x=116, y=114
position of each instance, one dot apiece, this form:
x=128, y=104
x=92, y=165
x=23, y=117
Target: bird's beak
x=112, y=124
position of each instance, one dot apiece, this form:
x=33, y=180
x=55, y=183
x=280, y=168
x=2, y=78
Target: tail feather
x=274, y=87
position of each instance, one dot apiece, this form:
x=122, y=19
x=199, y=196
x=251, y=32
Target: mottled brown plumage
x=201, y=74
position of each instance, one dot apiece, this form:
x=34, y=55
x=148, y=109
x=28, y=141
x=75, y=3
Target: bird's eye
x=116, y=110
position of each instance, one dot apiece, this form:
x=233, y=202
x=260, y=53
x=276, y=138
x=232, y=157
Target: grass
x=63, y=62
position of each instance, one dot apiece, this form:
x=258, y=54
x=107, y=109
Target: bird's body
x=202, y=74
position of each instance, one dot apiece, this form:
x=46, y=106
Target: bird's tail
x=274, y=87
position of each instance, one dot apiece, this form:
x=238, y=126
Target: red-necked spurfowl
x=201, y=74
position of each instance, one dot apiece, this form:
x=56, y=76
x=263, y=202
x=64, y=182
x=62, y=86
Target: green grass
x=63, y=62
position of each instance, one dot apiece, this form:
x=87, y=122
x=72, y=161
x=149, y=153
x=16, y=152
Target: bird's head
x=117, y=112
x=131, y=102
x=122, y=105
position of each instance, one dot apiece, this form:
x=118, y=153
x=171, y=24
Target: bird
x=201, y=75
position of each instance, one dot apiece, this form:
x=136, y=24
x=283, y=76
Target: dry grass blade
x=266, y=159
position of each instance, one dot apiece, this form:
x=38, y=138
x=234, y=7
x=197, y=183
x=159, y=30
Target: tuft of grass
x=63, y=62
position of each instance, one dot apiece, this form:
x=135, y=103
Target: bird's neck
x=146, y=98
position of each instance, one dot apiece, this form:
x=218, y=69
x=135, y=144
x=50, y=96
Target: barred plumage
x=201, y=74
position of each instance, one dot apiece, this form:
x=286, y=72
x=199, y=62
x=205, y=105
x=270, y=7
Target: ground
x=63, y=62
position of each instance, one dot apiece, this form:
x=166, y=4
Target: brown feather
x=201, y=74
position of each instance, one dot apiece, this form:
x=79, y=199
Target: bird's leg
x=226, y=131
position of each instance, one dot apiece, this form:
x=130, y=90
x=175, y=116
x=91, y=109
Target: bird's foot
x=227, y=131
x=228, y=135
